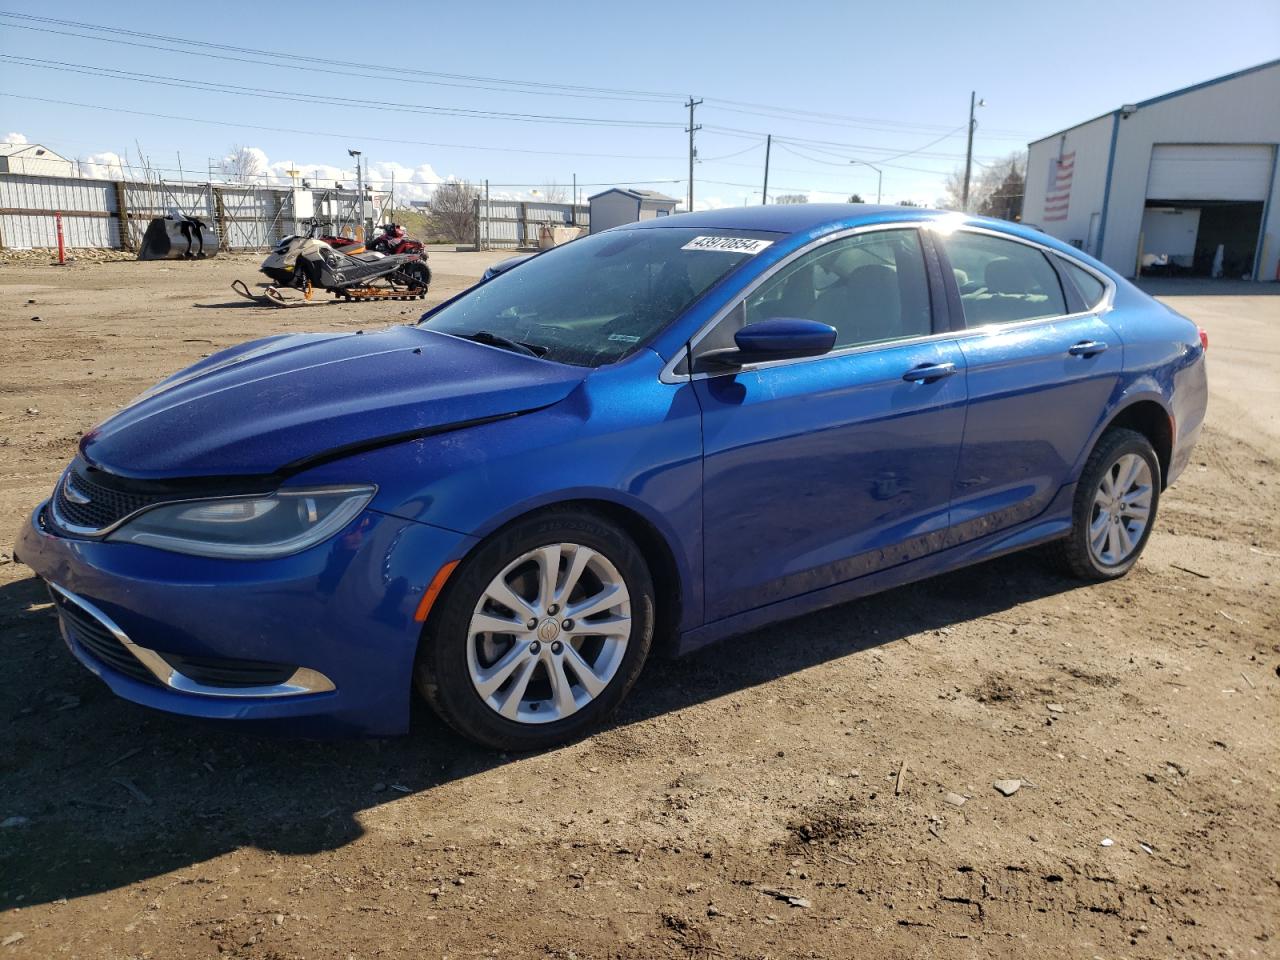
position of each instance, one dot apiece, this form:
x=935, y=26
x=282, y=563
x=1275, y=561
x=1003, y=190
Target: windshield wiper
x=506, y=343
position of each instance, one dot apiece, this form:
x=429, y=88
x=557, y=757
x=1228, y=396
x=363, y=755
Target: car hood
x=276, y=405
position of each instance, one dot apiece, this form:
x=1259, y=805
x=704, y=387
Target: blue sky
x=876, y=81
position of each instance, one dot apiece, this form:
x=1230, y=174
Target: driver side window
x=871, y=287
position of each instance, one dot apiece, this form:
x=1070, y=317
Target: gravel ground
x=746, y=802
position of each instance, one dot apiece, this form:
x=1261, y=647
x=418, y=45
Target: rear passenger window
x=1092, y=290
x=1002, y=281
x=871, y=287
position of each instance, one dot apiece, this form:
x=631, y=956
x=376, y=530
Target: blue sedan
x=669, y=432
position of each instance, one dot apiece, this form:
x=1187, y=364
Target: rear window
x=1091, y=289
x=1002, y=281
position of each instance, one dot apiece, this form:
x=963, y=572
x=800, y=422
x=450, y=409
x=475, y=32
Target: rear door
x=1041, y=366
x=820, y=470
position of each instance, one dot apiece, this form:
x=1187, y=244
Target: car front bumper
x=330, y=631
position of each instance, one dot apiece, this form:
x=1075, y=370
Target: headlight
x=251, y=528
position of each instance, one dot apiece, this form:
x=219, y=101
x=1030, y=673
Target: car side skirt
x=1054, y=522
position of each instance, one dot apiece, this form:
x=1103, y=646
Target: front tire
x=539, y=634
x=1114, y=507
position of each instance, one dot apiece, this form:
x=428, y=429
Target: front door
x=821, y=470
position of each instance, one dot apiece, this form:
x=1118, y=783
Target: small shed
x=619, y=205
x=32, y=158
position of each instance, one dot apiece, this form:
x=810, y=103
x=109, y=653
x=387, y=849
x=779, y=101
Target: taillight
x=1204, y=340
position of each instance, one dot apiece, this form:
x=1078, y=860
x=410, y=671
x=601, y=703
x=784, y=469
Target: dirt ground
x=745, y=802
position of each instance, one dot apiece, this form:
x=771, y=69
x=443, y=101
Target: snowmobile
x=309, y=263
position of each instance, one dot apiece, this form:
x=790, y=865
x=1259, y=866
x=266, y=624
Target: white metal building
x=32, y=158
x=1182, y=183
x=618, y=205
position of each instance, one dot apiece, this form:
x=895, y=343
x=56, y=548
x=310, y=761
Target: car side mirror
x=778, y=338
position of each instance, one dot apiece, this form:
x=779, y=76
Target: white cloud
x=410, y=182
x=103, y=166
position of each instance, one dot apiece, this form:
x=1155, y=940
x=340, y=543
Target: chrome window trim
x=304, y=679
x=669, y=376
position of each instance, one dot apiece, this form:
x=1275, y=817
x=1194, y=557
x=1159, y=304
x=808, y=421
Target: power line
x=402, y=74
x=292, y=96
x=885, y=126
x=362, y=74
x=754, y=146
x=844, y=148
x=329, y=61
x=843, y=161
x=789, y=111
x=297, y=97
x=839, y=164
x=334, y=136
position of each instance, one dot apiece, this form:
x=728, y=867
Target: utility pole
x=968, y=155
x=573, y=204
x=359, y=189
x=691, y=130
x=768, y=145
x=486, y=214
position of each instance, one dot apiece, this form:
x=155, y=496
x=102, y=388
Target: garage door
x=1210, y=171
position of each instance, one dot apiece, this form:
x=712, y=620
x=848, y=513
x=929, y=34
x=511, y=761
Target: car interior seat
x=863, y=306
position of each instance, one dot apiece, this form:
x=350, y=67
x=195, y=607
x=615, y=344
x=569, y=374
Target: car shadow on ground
x=112, y=793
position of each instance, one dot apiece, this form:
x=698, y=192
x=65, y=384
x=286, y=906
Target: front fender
x=621, y=437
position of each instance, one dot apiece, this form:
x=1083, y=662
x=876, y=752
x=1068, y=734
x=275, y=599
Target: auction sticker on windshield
x=727, y=244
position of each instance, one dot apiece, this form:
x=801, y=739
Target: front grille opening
x=95, y=639
x=222, y=672
x=104, y=507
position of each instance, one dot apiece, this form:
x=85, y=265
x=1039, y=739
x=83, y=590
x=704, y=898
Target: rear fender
x=1144, y=388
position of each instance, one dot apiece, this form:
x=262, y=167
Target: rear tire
x=524, y=674
x=1114, y=508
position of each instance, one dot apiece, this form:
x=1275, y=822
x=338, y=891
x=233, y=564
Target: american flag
x=1058, y=198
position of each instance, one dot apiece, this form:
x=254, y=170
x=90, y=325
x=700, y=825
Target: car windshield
x=595, y=300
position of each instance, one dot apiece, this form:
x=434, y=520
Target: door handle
x=1087, y=348
x=929, y=372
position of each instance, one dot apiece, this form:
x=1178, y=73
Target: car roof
x=817, y=218
x=788, y=217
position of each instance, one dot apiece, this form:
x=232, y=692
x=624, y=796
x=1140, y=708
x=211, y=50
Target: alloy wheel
x=1121, y=510
x=549, y=633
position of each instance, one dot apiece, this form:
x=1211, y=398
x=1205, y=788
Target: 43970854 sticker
x=727, y=244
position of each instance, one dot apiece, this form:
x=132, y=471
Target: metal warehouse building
x=1185, y=183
